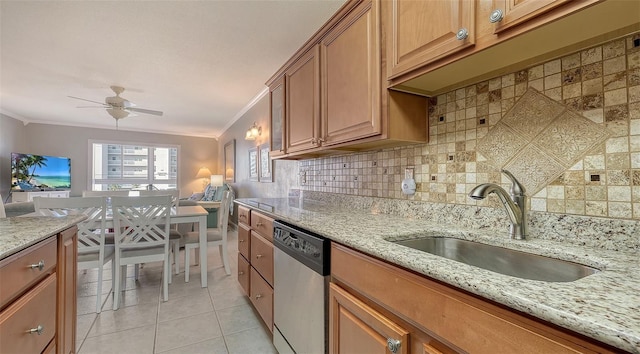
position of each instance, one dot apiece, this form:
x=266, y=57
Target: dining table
x=179, y=215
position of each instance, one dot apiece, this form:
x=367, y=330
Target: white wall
x=73, y=142
x=285, y=172
x=12, y=139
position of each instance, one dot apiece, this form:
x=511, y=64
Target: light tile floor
x=217, y=319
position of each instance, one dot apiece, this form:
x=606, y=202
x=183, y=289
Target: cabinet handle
x=393, y=345
x=242, y=216
x=240, y=273
x=496, y=16
x=258, y=256
x=259, y=224
x=38, y=330
x=462, y=34
x=240, y=241
x=258, y=296
x=39, y=265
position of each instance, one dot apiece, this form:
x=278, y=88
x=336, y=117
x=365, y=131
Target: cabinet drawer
x=262, y=298
x=243, y=274
x=35, y=308
x=243, y=215
x=262, y=224
x=244, y=241
x=262, y=256
x=17, y=274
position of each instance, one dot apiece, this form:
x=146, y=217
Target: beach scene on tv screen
x=36, y=172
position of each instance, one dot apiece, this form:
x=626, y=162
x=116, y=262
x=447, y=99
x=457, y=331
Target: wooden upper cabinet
x=278, y=118
x=515, y=12
x=350, y=69
x=302, y=82
x=419, y=32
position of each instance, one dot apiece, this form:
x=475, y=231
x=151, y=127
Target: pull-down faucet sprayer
x=514, y=202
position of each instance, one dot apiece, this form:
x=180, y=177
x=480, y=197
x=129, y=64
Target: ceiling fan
x=118, y=107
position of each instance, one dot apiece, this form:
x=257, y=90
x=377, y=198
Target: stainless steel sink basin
x=501, y=260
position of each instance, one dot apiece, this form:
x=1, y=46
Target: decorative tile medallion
x=538, y=139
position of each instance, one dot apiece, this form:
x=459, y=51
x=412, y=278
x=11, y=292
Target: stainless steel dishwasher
x=300, y=290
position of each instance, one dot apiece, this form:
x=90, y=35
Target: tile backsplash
x=602, y=84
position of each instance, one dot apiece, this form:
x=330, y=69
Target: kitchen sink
x=501, y=260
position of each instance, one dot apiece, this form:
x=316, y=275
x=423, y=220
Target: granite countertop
x=19, y=233
x=604, y=306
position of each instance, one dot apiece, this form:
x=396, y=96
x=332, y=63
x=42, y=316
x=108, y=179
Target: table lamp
x=217, y=180
x=205, y=174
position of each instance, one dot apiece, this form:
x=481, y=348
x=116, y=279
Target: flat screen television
x=31, y=172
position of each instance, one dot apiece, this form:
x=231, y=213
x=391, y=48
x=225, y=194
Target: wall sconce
x=217, y=180
x=205, y=174
x=253, y=132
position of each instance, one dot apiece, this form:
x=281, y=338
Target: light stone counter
x=604, y=306
x=19, y=233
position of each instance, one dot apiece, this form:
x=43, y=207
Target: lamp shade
x=216, y=180
x=203, y=172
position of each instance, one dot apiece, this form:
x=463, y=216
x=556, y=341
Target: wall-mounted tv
x=31, y=172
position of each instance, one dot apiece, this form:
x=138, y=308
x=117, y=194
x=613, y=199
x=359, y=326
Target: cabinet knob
x=258, y=256
x=39, y=265
x=242, y=216
x=259, y=224
x=258, y=296
x=496, y=16
x=462, y=34
x=240, y=273
x=38, y=330
x=393, y=345
x=240, y=241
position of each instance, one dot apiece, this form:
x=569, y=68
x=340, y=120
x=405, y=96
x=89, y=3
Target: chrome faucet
x=514, y=202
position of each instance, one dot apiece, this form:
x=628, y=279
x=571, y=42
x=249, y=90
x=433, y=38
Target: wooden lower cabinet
x=38, y=297
x=357, y=328
x=67, y=293
x=438, y=317
x=255, y=261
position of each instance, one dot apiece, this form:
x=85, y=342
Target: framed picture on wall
x=230, y=161
x=266, y=170
x=253, y=164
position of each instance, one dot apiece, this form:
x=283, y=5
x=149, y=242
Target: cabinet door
x=420, y=32
x=278, y=118
x=261, y=297
x=350, y=59
x=243, y=274
x=244, y=241
x=262, y=256
x=516, y=12
x=67, y=271
x=302, y=100
x=354, y=327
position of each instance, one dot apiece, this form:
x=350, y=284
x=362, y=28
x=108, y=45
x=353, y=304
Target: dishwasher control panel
x=310, y=249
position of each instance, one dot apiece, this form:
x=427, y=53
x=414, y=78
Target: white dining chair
x=175, y=236
x=215, y=237
x=141, y=227
x=93, y=252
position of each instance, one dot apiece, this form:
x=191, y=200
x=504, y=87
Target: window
x=117, y=165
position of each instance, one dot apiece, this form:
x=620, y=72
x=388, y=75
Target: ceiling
x=200, y=62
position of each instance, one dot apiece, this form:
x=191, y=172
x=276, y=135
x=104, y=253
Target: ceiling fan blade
x=147, y=111
x=84, y=99
x=89, y=106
